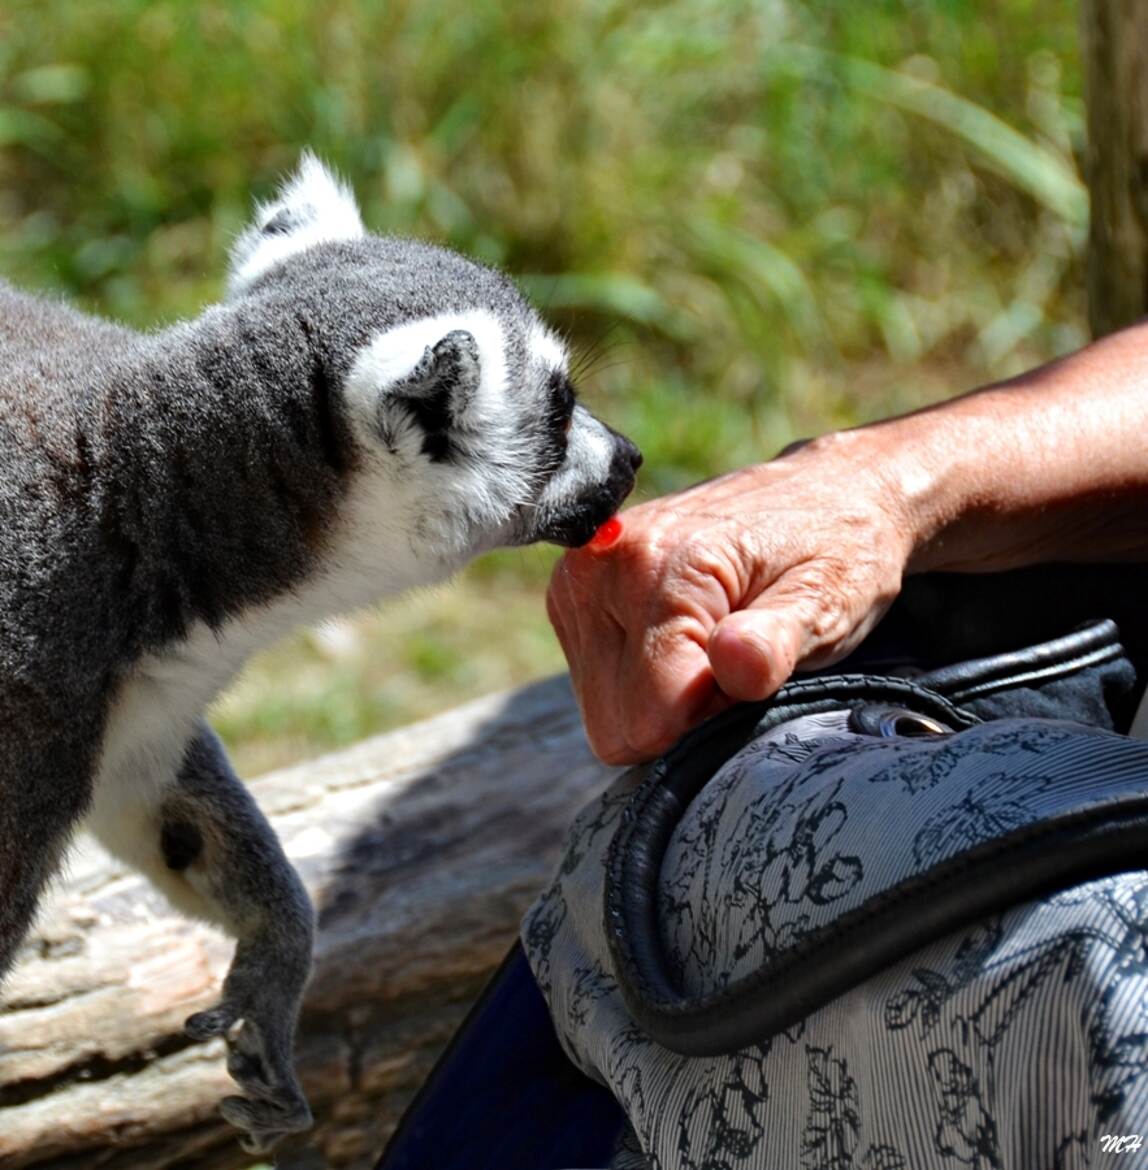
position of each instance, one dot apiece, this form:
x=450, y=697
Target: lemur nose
x=631, y=453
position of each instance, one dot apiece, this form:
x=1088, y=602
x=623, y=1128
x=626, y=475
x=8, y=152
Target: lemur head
x=458, y=397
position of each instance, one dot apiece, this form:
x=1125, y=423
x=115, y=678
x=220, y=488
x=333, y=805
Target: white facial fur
x=547, y=350
x=457, y=503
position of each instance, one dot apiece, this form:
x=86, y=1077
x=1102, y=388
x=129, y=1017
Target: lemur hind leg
x=45, y=784
x=211, y=851
x=23, y=876
x=26, y=868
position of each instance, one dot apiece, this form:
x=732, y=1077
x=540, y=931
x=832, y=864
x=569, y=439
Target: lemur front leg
x=214, y=834
x=207, y=846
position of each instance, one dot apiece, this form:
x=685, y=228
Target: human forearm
x=1052, y=465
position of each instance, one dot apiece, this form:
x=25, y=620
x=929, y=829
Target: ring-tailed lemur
x=361, y=415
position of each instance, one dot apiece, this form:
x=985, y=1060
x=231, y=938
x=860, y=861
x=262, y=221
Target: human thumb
x=801, y=619
x=753, y=651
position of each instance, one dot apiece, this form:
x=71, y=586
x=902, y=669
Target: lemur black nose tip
x=631, y=454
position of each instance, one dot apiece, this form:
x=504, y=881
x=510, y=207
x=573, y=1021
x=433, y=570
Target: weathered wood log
x=421, y=848
x=1116, y=72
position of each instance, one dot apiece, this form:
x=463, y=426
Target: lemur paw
x=265, y=1123
x=259, y=1061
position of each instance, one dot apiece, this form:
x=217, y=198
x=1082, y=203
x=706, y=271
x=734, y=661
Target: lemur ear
x=312, y=207
x=447, y=376
x=442, y=373
x=434, y=393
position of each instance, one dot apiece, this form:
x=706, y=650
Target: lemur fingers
x=257, y=1017
x=217, y=1021
x=259, y=1061
x=265, y=1123
x=229, y=855
x=274, y=1106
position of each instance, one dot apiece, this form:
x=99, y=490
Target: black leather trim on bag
x=1091, y=645
x=1073, y=845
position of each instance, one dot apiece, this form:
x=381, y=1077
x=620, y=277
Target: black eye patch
x=557, y=413
x=559, y=404
x=562, y=394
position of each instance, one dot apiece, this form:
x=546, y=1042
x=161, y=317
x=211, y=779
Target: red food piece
x=606, y=535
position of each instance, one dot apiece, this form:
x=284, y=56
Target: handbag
x=892, y=919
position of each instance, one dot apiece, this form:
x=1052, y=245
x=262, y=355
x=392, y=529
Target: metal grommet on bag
x=895, y=723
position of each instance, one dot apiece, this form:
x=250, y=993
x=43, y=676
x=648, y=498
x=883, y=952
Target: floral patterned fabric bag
x=878, y=922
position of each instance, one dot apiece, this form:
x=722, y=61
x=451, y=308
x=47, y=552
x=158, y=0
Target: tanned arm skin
x=720, y=592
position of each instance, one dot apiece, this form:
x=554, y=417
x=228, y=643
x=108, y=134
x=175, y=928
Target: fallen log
x=421, y=849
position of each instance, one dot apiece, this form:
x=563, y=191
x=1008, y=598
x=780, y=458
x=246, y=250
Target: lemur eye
x=562, y=400
x=562, y=394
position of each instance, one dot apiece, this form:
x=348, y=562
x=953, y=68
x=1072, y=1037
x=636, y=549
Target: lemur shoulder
x=360, y=415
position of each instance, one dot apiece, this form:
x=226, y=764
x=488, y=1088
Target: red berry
x=607, y=534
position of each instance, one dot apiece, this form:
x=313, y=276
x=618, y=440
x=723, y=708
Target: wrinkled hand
x=718, y=593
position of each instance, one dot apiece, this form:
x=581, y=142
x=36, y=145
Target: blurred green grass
x=757, y=220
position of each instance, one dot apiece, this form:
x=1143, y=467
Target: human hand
x=719, y=592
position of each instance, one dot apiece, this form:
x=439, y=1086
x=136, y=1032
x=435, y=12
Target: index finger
x=666, y=686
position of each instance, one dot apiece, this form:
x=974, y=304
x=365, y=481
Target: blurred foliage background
x=756, y=220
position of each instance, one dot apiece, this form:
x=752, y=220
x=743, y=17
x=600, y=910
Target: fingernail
x=750, y=663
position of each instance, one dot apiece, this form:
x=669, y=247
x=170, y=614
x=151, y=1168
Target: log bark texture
x=421, y=849
x=1116, y=72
